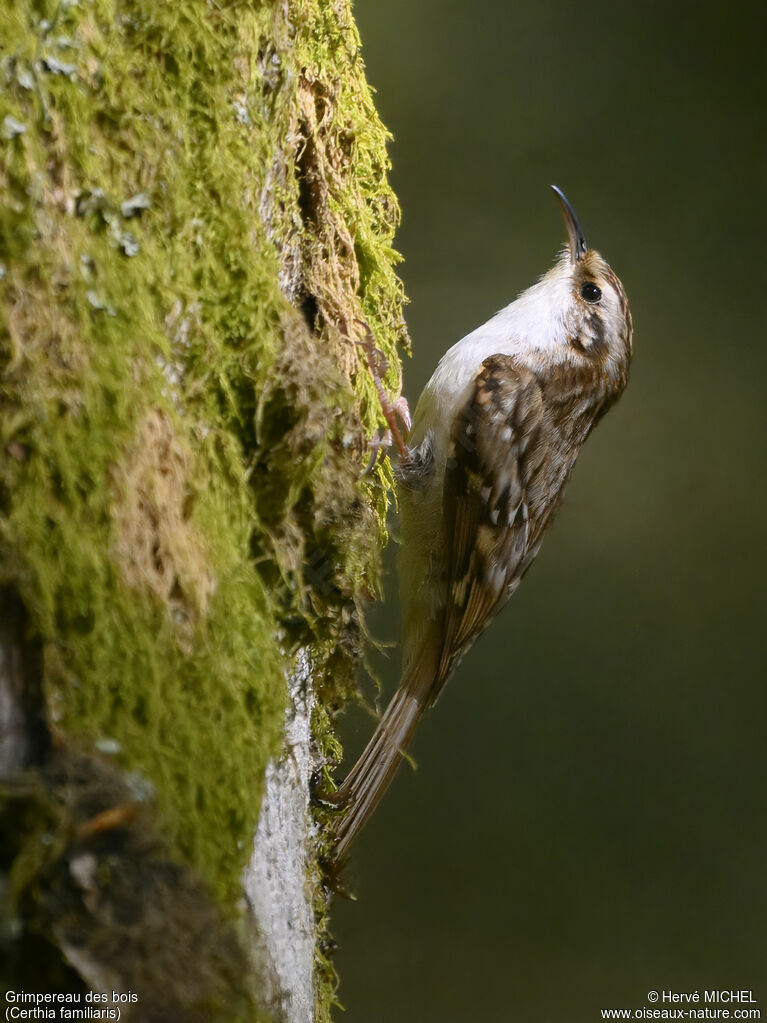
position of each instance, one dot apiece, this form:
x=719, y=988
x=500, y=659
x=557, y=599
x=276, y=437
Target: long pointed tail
x=371, y=776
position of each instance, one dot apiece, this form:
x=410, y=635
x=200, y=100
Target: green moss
x=165, y=650
x=195, y=217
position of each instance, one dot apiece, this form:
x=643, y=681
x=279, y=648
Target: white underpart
x=533, y=329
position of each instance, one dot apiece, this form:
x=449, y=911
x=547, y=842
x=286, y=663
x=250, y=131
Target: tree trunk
x=194, y=219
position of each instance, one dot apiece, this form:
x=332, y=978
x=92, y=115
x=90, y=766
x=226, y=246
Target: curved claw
x=381, y=442
x=402, y=411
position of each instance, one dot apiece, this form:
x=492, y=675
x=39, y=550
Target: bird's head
x=577, y=315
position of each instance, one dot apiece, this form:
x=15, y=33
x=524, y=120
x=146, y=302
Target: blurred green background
x=587, y=821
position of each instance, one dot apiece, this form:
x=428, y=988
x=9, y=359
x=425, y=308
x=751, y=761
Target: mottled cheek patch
x=592, y=339
x=596, y=326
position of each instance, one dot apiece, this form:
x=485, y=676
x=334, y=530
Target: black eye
x=590, y=292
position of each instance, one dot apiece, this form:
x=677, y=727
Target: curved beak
x=578, y=246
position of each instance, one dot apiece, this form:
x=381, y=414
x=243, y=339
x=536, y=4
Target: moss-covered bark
x=194, y=214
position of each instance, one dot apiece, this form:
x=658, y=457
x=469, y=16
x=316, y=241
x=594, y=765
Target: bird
x=495, y=435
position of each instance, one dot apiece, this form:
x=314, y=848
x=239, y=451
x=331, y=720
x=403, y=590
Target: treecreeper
x=495, y=436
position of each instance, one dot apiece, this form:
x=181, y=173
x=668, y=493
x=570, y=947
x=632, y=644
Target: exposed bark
x=194, y=216
x=278, y=880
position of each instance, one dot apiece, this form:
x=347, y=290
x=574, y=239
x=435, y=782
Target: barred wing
x=496, y=448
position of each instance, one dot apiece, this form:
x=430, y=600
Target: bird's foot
x=382, y=440
x=396, y=412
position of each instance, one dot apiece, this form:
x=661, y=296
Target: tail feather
x=367, y=782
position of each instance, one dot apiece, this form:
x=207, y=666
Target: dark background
x=587, y=821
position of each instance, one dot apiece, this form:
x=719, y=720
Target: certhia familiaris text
x=495, y=436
